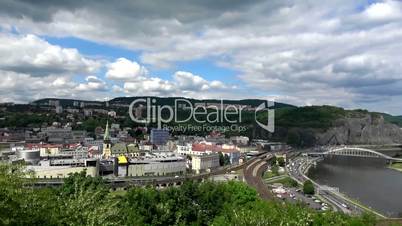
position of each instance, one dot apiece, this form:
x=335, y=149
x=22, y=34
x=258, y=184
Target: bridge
x=354, y=152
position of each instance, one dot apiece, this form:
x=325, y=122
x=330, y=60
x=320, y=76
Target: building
x=63, y=168
x=89, y=141
x=184, y=149
x=205, y=162
x=107, y=144
x=88, y=112
x=59, y=109
x=234, y=155
x=29, y=156
x=159, y=136
x=228, y=150
x=240, y=140
x=156, y=166
x=78, y=136
x=112, y=114
x=58, y=135
x=127, y=150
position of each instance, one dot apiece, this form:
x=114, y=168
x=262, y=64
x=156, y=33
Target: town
x=221, y=113
x=57, y=150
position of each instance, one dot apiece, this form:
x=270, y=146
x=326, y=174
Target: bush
x=308, y=187
x=86, y=201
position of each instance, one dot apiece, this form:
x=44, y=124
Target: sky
x=302, y=52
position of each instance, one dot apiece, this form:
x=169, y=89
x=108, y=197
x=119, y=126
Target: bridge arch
x=357, y=152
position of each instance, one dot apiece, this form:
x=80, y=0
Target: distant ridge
x=159, y=100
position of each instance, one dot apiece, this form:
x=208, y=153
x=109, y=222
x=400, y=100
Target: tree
x=71, y=183
x=281, y=161
x=221, y=159
x=308, y=187
x=87, y=201
x=293, y=138
x=275, y=170
x=273, y=160
x=226, y=160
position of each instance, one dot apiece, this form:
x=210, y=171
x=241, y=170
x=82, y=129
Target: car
x=176, y=176
x=344, y=205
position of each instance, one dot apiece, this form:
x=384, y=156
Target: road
x=253, y=175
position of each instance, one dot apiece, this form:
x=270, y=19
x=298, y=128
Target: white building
x=112, y=114
x=205, y=162
x=62, y=168
x=240, y=140
x=184, y=149
x=160, y=166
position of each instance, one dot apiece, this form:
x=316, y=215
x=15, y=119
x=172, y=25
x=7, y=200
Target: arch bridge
x=355, y=152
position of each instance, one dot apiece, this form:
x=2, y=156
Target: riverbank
x=396, y=166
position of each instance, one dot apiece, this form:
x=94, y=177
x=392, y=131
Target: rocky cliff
x=361, y=130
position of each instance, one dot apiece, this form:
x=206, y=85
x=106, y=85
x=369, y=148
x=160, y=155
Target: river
x=367, y=180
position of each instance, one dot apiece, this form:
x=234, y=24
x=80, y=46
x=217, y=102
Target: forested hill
x=171, y=101
x=299, y=126
x=159, y=101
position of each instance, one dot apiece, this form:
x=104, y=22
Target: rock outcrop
x=362, y=130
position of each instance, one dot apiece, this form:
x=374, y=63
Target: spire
x=107, y=135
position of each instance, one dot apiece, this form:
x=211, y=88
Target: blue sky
x=206, y=67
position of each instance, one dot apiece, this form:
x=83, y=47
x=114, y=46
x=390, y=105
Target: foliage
x=392, y=119
x=287, y=182
x=76, y=181
x=273, y=160
x=87, y=201
x=281, y=161
x=271, y=213
x=272, y=173
x=309, y=117
x=223, y=159
x=308, y=187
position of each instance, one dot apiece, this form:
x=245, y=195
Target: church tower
x=107, y=146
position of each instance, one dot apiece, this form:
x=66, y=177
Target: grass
x=118, y=193
x=287, y=182
x=268, y=175
x=396, y=166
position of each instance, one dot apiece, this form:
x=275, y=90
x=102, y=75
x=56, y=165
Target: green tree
x=281, y=161
x=275, y=170
x=226, y=160
x=77, y=180
x=308, y=187
x=87, y=201
x=19, y=204
x=273, y=160
x=293, y=138
x=221, y=159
